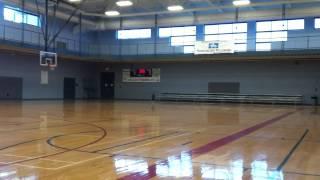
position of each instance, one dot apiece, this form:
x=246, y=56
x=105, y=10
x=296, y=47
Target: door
x=69, y=88
x=107, y=85
x=11, y=88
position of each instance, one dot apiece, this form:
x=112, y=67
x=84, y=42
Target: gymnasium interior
x=160, y=89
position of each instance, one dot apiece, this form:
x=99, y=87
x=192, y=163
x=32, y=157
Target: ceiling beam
x=252, y=5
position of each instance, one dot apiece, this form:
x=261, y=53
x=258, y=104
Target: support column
x=23, y=24
x=120, y=44
x=80, y=34
x=156, y=34
x=46, y=26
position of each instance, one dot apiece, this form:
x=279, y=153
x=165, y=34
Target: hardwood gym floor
x=145, y=140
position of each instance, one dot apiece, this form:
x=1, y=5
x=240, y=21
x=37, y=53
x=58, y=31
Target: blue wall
x=33, y=36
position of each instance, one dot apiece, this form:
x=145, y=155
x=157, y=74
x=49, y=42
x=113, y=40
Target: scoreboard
x=141, y=75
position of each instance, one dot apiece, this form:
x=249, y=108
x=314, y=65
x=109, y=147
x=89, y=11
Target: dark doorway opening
x=69, y=88
x=107, y=85
x=11, y=88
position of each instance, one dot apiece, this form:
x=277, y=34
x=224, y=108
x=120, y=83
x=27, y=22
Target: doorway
x=107, y=85
x=69, y=88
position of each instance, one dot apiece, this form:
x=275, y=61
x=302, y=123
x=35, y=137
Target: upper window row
x=134, y=34
x=317, y=23
x=16, y=15
x=226, y=28
x=177, y=31
x=263, y=26
x=282, y=25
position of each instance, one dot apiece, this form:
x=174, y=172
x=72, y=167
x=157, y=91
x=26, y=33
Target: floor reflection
x=181, y=166
x=260, y=171
x=234, y=172
x=176, y=166
x=125, y=165
x=13, y=175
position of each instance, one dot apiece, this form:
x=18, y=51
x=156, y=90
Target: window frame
x=287, y=22
x=315, y=20
x=218, y=31
x=171, y=35
x=24, y=16
x=134, y=38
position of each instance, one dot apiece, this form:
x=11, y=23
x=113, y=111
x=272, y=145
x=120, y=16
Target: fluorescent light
x=175, y=8
x=241, y=2
x=74, y=0
x=112, y=13
x=124, y=3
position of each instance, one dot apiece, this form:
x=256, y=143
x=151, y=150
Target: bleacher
x=232, y=98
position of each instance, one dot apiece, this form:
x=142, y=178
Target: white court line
x=80, y=162
x=155, y=141
x=41, y=159
x=118, y=140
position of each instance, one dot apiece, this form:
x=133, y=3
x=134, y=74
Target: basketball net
x=51, y=67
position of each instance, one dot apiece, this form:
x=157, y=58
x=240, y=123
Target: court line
x=208, y=147
x=49, y=142
x=155, y=141
x=293, y=149
x=62, y=152
x=121, y=139
x=137, y=141
x=36, y=128
x=30, y=141
x=31, y=157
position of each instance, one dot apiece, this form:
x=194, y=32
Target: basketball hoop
x=49, y=59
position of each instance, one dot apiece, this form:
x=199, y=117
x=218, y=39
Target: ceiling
x=151, y=7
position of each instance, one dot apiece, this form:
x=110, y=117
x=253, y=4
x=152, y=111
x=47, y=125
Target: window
x=188, y=49
x=16, y=15
x=183, y=40
x=237, y=38
x=263, y=47
x=177, y=31
x=317, y=23
x=280, y=25
x=276, y=36
x=226, y=28
x=240, y=47
x=263, y=37
x=279, y=36
x=134, y=34
x=297, y=24
x=181, y=36
x=264, y=26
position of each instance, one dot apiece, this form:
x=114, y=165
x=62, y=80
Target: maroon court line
x=207, y=148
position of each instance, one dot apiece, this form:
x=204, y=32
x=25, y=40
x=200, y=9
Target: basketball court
x=141, y=89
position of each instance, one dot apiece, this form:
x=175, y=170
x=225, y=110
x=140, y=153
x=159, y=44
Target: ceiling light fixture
x=74, y=1
x=175, y=8
x=241, y=2
x=124, y=3
x=112, y=13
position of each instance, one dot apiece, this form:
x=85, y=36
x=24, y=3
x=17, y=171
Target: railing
x=33, y=38
x=238, y=98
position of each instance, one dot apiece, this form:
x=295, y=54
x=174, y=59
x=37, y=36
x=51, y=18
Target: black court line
x=137, y=141
x=62, y=152
x=49, y=142
x=37, y=128
x=286, y=159
x=44, y=138
x=302, y=174
x=186, y=143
